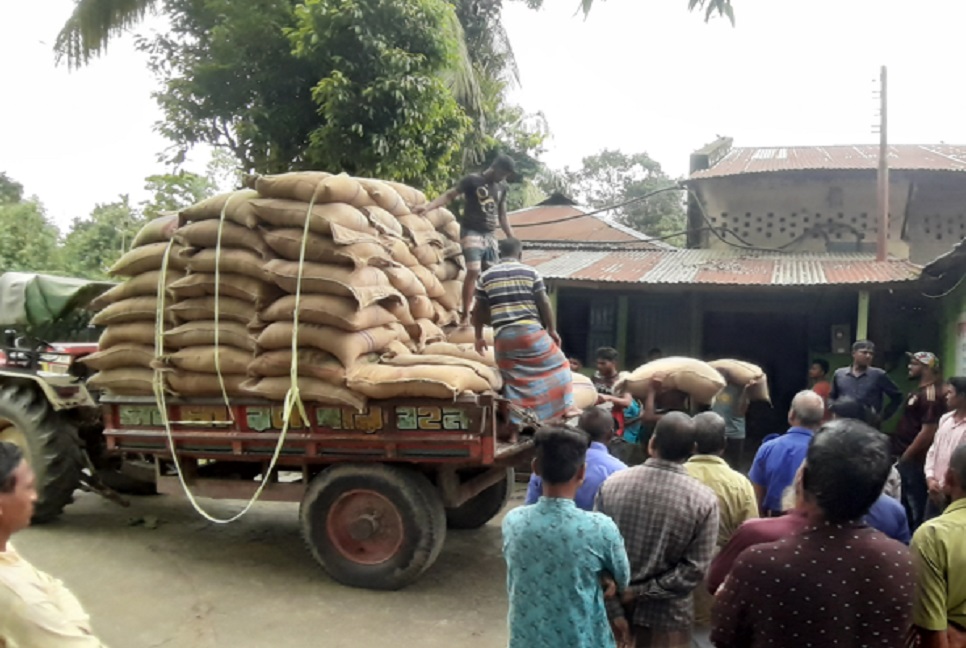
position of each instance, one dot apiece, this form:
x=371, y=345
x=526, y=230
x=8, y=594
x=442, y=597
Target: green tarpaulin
x=31, y=300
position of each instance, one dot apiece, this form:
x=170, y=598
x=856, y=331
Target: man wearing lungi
x=512, y=298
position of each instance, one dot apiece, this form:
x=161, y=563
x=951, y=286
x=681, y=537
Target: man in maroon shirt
x=838, y=583
x=915, y=432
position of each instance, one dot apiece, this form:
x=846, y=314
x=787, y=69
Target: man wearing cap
x=916, y=430
x=867, y=384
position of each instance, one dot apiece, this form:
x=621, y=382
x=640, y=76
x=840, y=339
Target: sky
x=637, y=75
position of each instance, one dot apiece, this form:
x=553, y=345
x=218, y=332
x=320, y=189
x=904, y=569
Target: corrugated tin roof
x=907, y=157
x=545, y=223
x=718, y=267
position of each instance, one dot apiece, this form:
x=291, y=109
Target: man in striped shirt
x=511, y=297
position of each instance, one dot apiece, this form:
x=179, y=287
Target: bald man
x=777, y=461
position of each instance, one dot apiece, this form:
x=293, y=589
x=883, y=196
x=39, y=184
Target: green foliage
x=173, y=191
x=612, y=177
x=28, y=240
x=11, y=191
x=94, y=243
x=93, y=24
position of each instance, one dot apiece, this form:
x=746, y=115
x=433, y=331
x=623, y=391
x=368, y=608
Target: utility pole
x=882, y=228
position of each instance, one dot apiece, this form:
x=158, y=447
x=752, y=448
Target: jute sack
x=383, y=221
x=694, y=377
x=742, y=373
x=287, y=243
x=310, y=390
x=229, y=309
x=439, y=217
x=448, y=270
x=585, y=394
x=452, y=231
x=366, y=285
x=405, y=280
x=399, y=309
x=288, y=213
x=201, y=359
x=132, y=333
x=128, y=381
x=147, y=258
x=453, y=250
x=421, y=307
x=466, y=351
x=133, y=309
x=344, y=188
x=156, y=230
x=143, y=285
x=402, y=253
x=419, y=381
x=445, y=317
x=299, y=185
x=434, y=289
x=452, y=297
x=347, y=346
x=240, y=210
x=232, y=260
x=121, y=355
x=191, y=384
x=330, y=310
x=424, y=331
x=195, y=334
x=394, y=348
x=428, y=255
x=490, y=374
x=467, y=335
x=312, y=364
x=412, y=196
x=385, y=196
x=204, y=234
x=248, y=289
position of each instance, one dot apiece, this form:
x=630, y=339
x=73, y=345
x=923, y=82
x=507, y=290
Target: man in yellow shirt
x=736, y=502
x=36, y=610
x=939, y=551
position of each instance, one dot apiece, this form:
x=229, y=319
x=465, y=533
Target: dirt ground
x=190, y=583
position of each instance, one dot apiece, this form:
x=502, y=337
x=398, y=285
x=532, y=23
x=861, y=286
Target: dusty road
x=189, y=583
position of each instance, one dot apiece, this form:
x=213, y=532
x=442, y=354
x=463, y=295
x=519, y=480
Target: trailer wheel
x=374, y=526
x=49, y=442
x=479, y=510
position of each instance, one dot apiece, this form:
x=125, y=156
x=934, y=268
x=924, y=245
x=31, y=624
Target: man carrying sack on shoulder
x=511, y=297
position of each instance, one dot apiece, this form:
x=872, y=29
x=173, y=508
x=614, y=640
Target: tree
x=11, y=191
x=174, y=191
x=28, y=240
x=612, y=177
x=94, y=243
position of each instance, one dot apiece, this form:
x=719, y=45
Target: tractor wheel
x=376, y=526
x=49, y=442
x=476, y=512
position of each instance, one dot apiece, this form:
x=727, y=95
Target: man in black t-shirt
x=484, y=197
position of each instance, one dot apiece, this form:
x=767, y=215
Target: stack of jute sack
x=375, y=286
x=702, y=381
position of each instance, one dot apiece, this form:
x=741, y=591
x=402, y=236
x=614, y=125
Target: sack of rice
x=147, y=258
x=248, y=289
x=143, y=285
x=490, y=374
x=413, y=197
x=448, y=270
x=126, y=381
x=194, y=334
x=743, y=373
x=312, y=364
x=405, y=280
x=452, y=297
x=385, y=196
x=330, y=310
x=201, y=359
x=402, y=253
x=399, y=309
x=240, y=210
x=585, y=394
x=434, y=289
x=452, y=231
x=421, y=307
x=133, y=309
x=696, y=378
x=229, y=309
x=347, y=346
x=120, y=355
x=231, y=260
x=300, y=185
x=344, y=188
x=366, y=285
x=467, y=351
x=419, y=381
x=467, y=335
x=156, y=230
x=440, y=217
x=288, y=213
x=287, y=243
x=428, y=255
x=133, y=333
x=193, y=385
x=383, y=222
x=204, y=234
x=445, y=317
x=424, y=332
x=310, y=390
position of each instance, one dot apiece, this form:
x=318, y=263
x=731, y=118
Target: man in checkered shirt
x=669, y=521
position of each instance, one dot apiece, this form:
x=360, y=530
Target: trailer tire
x=479, y=510
x=49, y=442
x=375, y=526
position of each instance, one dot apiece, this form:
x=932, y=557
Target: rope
x=221, y=378
x=292, y=397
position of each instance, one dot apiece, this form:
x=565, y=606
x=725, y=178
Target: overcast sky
x=639, y=75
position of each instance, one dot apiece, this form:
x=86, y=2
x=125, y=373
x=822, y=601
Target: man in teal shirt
x=557, y=555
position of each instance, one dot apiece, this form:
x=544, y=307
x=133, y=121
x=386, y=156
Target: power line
x=675, y=186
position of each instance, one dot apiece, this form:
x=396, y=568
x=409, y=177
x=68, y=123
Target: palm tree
x=93, y=24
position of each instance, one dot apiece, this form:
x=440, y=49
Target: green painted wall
x=954, y=308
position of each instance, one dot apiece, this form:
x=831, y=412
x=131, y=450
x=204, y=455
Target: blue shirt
x=776, y=463
x=555, y=554
x=601, y=464
x=868, y=388
x=888, y=516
